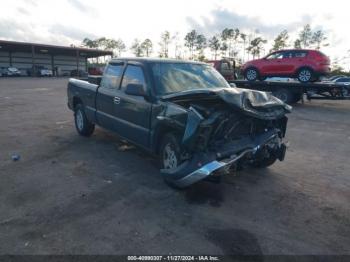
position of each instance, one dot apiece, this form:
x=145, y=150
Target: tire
x=284, y=95
x=169, y=155
x=296, y=98
x=170, y=151
x=251, y=74
x=305, y=75
x=82, y=124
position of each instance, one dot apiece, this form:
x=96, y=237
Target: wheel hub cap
x=251, y=74
x=79, y=120
x=169, y=157
x=305, y=75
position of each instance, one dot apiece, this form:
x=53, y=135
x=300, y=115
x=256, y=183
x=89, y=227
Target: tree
x=280, y=41
x=102, y=43
x=89, y=43
x=120, y=46
x=200, y=44
x=190, y=41
x=214, y=45
x=297, y=43
x=147, y=47
x=164, y=44
x=318, y=39
x=256, y=45
x=137, y=48
x=230, y=37
x=305, y=36
x=244, y=39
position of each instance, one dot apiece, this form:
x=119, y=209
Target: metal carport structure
x=26, y=55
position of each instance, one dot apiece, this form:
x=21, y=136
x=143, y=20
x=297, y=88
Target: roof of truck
x=153, y=60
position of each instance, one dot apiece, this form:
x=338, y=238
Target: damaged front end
x=227, y=128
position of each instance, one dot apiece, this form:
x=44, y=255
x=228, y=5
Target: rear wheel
x=305, y=75
x=251, y=74
x=284, y=95
x=82, y=124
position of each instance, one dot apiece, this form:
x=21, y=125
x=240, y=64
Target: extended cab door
x=106, y=96
x=134, y=112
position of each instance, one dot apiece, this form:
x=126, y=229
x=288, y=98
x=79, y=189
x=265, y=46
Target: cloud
x=70, y=32
x=23, y=11
x=56, y=34
x=78, y=5
x=82, y=7
x=223, y=18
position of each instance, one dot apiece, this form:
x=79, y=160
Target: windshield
x=177, y=77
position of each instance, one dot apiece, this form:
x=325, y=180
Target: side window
x=300, y=54
x=225, y=66
x=111, y=76
x=133, y=74
x=277, y=55
x=287, y=55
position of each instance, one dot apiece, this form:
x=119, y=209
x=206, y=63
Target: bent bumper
x=188, y=173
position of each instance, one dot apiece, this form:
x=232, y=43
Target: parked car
x=96, y=71
x=342, y=81
x=186, y=113
x=79, y=73
x=305, y=65
x=40, y=71
x=226, y=67
x=10, y=71
x=334, y=78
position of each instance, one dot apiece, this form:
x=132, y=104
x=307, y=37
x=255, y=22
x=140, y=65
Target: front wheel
x=170, y=152
x=82, y=124
x=251, y=74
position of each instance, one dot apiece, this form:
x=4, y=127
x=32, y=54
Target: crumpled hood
x=262, y=105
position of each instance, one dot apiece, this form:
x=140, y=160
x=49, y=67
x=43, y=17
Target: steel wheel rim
x=169, y=157
x=251, y=74
x=305, y=75
x=79, y=120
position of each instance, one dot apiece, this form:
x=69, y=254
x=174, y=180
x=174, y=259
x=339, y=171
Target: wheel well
x=303, y=67
x=160, y=133
x=76, y=101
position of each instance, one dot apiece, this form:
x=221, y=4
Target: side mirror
x=95, y=80
x=135, y=90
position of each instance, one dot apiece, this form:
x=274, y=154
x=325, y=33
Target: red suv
x=305, y=65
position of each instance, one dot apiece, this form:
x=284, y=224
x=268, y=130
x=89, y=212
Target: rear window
x=112, y=75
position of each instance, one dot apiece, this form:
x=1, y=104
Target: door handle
x=116, y=100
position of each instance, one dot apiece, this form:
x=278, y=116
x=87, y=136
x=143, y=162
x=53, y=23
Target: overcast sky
x=65, y=22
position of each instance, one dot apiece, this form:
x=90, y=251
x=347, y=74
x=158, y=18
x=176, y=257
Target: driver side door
x=133, y=113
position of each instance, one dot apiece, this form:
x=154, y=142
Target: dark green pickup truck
x=186, y=113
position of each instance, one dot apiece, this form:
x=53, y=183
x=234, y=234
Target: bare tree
x=164, y=44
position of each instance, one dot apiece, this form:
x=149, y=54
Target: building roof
x=14, y=46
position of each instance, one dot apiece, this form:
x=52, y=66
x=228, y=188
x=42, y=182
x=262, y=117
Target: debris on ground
x=15, y=157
